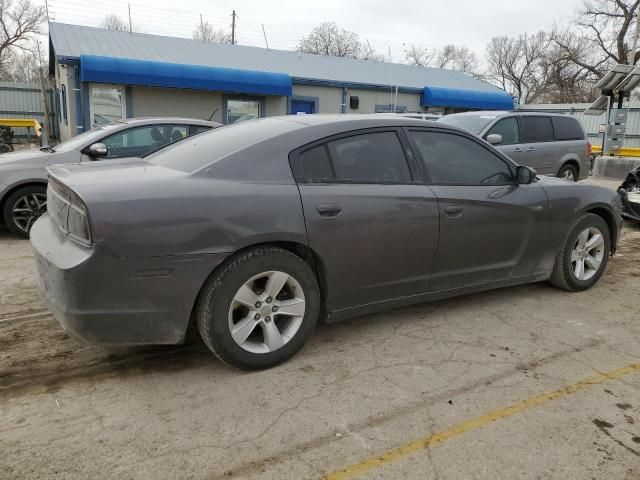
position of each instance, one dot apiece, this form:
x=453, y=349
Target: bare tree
x=19, y=22
x=114, y=22
x=450, y=56
x=608, y=23
x=331, y=40
x=206, y=33
x=515, y=64
x=417, y=55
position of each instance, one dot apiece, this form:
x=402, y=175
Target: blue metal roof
x=455, y=97
x=128, y=71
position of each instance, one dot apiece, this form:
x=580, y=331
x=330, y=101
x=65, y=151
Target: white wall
x=173, y=102
x=275, y=106
x=370, y=98
x=65, y=75
x=330, y=98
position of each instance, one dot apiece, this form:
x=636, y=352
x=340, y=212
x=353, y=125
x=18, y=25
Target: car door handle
x=329, y=209
x=517, y=149
x=530, y=149
x=453, y=210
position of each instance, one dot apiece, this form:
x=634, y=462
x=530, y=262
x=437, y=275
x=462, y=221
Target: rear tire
x=586, y=246
x=251, y=322
x=23, y=207
x=568, y=172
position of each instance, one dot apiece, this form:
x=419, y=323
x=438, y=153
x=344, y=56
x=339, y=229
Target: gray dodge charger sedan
x=23, y=175
x=254, y=231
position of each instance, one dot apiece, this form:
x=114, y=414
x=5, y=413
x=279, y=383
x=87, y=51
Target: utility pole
x=265, y=36
x=130, y=26
x=45, y=124
x=46, y=7
x=233, y=28
x=632, y=60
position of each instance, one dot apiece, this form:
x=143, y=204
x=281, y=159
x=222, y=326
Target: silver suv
x=552, y=143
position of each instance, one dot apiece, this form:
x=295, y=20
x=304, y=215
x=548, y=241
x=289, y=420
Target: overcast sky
x=386, y=24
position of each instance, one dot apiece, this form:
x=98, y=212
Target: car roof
x=503, y=113
x=162, y=120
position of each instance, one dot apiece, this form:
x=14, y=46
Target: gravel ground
x=359, y=388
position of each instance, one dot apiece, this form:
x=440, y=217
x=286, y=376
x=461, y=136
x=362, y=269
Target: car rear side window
x=371, y=157
x=376, y=157
x=452, y=159
x=508, y=129
x=567, y=128
x=314, y=165
x=536, y=129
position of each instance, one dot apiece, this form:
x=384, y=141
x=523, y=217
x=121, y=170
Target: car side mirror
x=525, y=175
x=98, y=150
x=494, y=139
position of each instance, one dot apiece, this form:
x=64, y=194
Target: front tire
x=23, y=207
x=584, y=254
x=260, y=309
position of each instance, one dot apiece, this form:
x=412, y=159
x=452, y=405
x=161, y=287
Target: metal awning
x=478, y=99
x=129, y=71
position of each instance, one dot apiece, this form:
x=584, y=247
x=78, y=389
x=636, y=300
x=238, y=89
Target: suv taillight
x=589, y=149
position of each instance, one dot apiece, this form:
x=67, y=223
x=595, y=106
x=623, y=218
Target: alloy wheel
x=568, y=175
x=266, y=312
x=28, y=209
x=587, y=254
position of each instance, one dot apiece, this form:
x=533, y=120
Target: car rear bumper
x=102, y=299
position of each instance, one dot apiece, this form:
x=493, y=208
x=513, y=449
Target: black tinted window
x=508, y=128
x=371, y=157
x=453, y=159
x=567, y=128
x=314, y=164
x=536, y=129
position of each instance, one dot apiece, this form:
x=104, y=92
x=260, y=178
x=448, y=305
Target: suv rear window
x=536, y=129
x=567, y=128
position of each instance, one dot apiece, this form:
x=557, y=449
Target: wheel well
x=574, y=163
x=299, y=249
x=608, y=217
x=15, y=189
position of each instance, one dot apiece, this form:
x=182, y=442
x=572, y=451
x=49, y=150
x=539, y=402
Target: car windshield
x=473, y=123
x=86, y=138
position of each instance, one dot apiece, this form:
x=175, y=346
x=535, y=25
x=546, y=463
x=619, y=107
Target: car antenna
x=214, y=112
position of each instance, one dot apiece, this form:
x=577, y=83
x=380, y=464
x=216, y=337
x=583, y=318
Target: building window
x=239, y=110
x=390, y=108
x=63, y=101
x=107, y=104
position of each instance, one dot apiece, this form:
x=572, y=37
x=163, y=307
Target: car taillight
x=69, y=211
x=78, y=223
x=589, y=149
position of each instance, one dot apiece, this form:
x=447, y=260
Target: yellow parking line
x=474, y=424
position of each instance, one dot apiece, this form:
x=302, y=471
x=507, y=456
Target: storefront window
x=241, y=110
x=107, y=104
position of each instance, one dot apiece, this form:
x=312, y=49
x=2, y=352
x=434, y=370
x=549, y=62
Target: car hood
x=24, y=158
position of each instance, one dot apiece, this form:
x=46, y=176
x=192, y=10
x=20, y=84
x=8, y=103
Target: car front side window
x=508, y=129
x=452, y=159
x=139, y=141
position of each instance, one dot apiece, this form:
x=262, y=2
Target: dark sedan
x=23, y=175
x=254, y=231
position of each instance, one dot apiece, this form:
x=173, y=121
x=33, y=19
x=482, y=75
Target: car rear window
x=314, y=164
x=536, y=129
x=567, y=128
x=470, y=122
x=201, y=150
